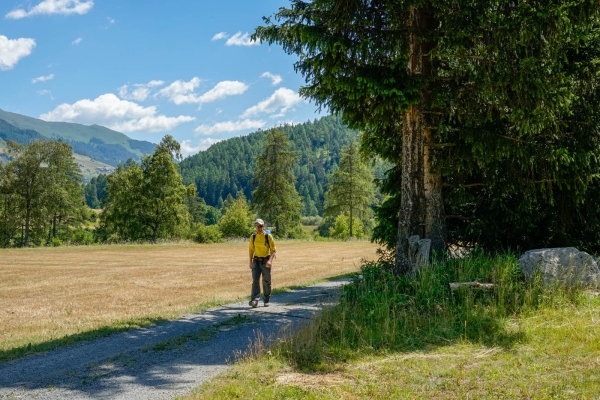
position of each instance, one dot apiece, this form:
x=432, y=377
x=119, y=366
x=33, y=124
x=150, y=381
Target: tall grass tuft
x=380, y=312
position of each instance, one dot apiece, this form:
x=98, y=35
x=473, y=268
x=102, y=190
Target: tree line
x=45, y=203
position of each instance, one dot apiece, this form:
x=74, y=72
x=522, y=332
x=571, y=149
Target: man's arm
x=270, y=260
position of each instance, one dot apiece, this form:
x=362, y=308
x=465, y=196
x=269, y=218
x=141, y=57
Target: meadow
x=52, y=297
x=397, y=338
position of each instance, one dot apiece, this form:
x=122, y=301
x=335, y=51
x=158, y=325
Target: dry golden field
x=47, y=294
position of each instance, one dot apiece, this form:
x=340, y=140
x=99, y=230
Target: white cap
x=260, y=222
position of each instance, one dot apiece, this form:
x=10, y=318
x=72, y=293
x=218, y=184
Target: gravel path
x=162, y=361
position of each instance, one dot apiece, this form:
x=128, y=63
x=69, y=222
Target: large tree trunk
x=422, y=206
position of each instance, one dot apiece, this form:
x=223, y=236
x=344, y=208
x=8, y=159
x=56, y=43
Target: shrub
x=56, y=242
x=237, y=220
x=312, y=221
x=341, y=228
x=82, y=237
x=207, y=234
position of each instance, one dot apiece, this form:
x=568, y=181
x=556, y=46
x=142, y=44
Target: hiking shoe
x=267, y=303
x=253, y=303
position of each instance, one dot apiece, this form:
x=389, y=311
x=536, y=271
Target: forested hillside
x=97, y=142
x=228, y=167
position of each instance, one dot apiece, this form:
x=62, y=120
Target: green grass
x=392, y=337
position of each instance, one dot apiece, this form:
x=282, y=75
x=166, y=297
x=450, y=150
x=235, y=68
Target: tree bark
x=422, y=206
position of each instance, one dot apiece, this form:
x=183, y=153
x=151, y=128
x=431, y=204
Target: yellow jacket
x=258, y=245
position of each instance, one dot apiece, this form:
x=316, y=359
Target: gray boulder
x=563, y=266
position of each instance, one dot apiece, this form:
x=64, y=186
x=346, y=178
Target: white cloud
x=187, y=148
x=275, y=79
x=241, y=40
x=222, y=90
x=12, y=50
x=49, y=7
x=229, y=126
x=43, y=78
x=281, y=100
x=76, y=41
x=157, y=123
x=110, y=22
x=45, y=92
x=110, y=111
x=140, y=91
x=180, y=92
x=220, y=35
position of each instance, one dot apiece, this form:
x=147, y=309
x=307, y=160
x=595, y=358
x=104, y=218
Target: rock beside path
x=561, y=266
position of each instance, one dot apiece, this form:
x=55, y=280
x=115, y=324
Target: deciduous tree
x=146, y=200
x=40, y=184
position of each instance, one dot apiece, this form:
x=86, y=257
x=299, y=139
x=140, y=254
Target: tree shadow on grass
x=103, y=331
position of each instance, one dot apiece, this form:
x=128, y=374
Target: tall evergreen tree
x=420, y=77
x=275, y=196
x=350, y=187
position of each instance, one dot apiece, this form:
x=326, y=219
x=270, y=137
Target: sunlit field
x=54, y=296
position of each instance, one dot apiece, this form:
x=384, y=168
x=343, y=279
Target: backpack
x=267, y=234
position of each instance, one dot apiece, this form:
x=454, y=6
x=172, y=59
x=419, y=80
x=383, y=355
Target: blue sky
x=148, y=68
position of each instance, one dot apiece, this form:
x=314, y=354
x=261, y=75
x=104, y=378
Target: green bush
x=207, y=234
x=312, y=220
x=82, y=237
x=341, y=228
x=237, y=220
x=56, y=242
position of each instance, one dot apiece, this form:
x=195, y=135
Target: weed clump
x=380, y=312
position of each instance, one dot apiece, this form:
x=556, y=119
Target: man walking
x=262, y=251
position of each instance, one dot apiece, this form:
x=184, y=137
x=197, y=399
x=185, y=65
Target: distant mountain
x=228, y=166
x=94, y=141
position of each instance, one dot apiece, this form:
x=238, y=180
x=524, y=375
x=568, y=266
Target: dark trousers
x=259, y=267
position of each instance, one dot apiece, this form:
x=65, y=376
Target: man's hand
x=268, y=264
x=250, y=264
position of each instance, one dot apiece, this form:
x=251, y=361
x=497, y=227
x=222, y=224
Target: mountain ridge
x=94, y=141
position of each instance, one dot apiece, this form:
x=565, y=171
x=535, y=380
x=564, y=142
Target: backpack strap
x=267, y=242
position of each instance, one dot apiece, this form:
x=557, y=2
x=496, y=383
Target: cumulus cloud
x=117, y=114
x=220, y=35
x=241, y=40
x=76, y=41
x=12, y=50
x=222, y=90
x=43, y=78
x=187, y=148
x=180, y=92
x=281, y=100
x=156, y=123
x=49, y=7
x=229, y=126
x=140, y=91
x=275, y=79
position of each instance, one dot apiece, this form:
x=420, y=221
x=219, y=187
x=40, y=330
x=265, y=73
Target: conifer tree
x=350, y=187
x=422, y=78
x=275, y=196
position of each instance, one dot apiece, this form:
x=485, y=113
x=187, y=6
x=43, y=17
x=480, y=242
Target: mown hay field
x=48, y=294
